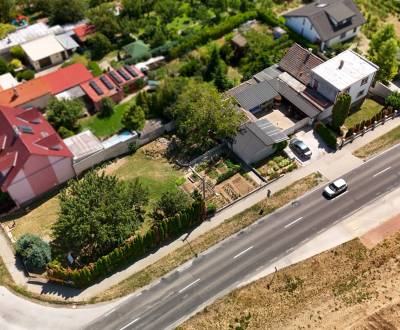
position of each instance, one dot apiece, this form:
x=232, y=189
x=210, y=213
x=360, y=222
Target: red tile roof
x=84, y=30
x=66, y=78
x=50, y=84
x=27, y=133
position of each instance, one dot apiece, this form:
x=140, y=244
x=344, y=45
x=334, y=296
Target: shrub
x=34, y=252
x=107, y=107
x=3, y=66
x=95, y=68
x=15, y=64
x=393, y=100
x=25, y=75
x=326, y=134
x=211, y=209
x=17, y=52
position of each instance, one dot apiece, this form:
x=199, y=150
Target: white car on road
x=335, y=188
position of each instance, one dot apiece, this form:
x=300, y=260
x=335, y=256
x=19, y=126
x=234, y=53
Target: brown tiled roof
x=298, y=62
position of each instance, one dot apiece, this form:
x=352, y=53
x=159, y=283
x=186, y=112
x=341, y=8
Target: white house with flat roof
x=49, y=50
x=347, y=72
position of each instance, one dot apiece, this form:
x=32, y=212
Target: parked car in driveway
x=335, y=188
x=300, y=148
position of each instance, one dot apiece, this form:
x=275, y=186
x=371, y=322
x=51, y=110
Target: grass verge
x=346, y=287
x=384, y=142
x=205, y=241
x=368, y=110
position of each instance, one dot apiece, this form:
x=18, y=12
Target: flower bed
x=275, y=166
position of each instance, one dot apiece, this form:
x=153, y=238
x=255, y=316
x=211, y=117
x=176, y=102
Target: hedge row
x=130, y=251
x=326, y=134
x=207, y=34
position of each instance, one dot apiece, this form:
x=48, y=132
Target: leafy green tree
x=3, y=66
x=385, y=33
x=97, y=213
x=105, y=21
x=203, y=116
x=170, y=204
x=341, y=110
x=133, y=8
x=134, y=118
x=6, y=10
x=5, y=29
x=62, y=12
x=34, y=251
x=64, y=113
x=99, y=45
x=213, y=64
x=17, y=52
x=393, y=100
x=107, y=107
x=193, y=67
x=386, y=58
x=221, y=80
x=142, y=100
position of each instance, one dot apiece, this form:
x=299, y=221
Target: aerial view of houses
x=199, y=164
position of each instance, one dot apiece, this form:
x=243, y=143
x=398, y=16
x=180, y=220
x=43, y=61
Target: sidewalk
x=344, y=162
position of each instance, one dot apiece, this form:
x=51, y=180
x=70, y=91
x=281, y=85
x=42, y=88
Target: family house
x=33, y=157
x=38, y=92
x=326, y=22
x=290, y=95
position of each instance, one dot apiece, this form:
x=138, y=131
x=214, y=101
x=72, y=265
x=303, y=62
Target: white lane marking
x=244, y=251
x=109, y=312
x=381, y=172
x=188, y=286
x=130, y=323
x=293, y=222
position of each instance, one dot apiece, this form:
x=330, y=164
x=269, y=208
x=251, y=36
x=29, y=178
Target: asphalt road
x=219, y=270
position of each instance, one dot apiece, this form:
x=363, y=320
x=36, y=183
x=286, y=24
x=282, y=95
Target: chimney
x=341, y=64
x=15, y=94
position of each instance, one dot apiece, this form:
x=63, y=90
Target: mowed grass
x=383, y=142
x=157, y=175
x=367, y=111
x=208, y=239
x=104, y=127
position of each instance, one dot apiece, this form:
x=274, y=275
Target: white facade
x=303, y=26
x=341, y=38
x=347, y=72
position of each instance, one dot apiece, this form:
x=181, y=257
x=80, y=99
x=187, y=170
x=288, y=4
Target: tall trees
x=64, y=114
x=99, y=45
x=97, y=213
x=202, y=116
x=62, y=12
x=34, y=252
x=383, y=52
x=171, y=203
x=134, y=118
x=341, y=110
x=6, y=9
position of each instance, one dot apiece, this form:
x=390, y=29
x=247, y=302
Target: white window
x=360, y=93
x=355, y=30
x=364, y=81
x=304, y=21
x=343, y=35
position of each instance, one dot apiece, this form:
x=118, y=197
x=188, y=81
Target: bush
x=95, y=68
x=3, y=66
x=99, y=45
x=393, y=100
x=211, y=209
x=107, y=107
x=15, y=64
x=326, y=134
x=25, y=75
x=34, y=252
x=17, y=52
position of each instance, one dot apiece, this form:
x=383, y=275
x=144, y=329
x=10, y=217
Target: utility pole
x=272, y=279
x=203, y=182
x=190, y=246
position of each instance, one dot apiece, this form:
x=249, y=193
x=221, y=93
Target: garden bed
x=275, y=166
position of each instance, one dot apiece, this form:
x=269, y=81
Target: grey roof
x=242, y=87
x=268, y=73
x=318, y=15
x=297, y=99
x=66, y=41
x=255, y=95
x=267, y=132
x=239, y=40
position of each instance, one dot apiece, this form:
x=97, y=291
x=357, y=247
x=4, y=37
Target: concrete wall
x=382, y=90
x=303, y=26
x=249, y=148
x=55, y=59
x=299, y=125
x=325, y=114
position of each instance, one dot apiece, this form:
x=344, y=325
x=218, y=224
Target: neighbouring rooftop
x=42, y=48
x=345, y=69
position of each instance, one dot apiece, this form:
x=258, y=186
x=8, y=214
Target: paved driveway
x=314, y=142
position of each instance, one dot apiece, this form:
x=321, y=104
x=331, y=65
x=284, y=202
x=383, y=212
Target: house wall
x=303, y=26
x=325, y=88
x=349, y=34
x=249, y=148
x=325, y=114
x=40, y=102
x=63, y=168
x=55, y=59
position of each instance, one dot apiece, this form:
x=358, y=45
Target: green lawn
x=103, y=127
x=159, y=176
x=367, y=111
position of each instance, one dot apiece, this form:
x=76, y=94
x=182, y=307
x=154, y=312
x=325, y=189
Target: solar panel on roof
x=123, y=74
x=96, y=88
x=106, y=82
x=132, y=72
x=114, y=77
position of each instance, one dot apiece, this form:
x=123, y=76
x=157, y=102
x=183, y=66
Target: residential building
x=38, y=92
x=347, y=72
x=7, y=81
x=33, y=157
x=326, y=22
x=83, y=31
x=49, y=50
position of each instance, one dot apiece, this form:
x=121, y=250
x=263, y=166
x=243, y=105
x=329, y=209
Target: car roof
x=300, y=143
x=339, y=183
